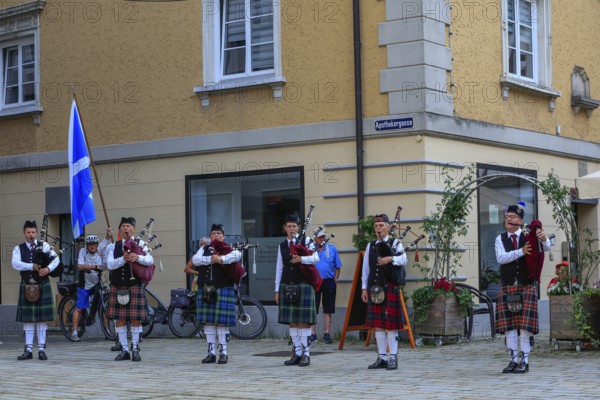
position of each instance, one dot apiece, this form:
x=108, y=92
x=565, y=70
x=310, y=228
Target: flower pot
x=443, y=319
x=491, y=290
x=562, y=324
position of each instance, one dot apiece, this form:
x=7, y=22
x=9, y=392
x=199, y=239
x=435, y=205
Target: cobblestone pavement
x=171, y=369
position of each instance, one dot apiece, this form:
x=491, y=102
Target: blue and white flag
x=82, y=203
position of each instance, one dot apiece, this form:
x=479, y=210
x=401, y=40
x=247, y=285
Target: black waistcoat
x=28, y=256
x=515, y=269
x=121, y=277
x=291, y=273
x=219, y=278
x=378, y=274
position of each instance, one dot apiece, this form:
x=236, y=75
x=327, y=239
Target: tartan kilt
x=135, y=310
x=387, y=315
x=40, y=311
x=527, y=319
x=303, y=311
x=221, y=312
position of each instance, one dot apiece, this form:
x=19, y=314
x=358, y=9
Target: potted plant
x=489, y=280
x=574, y=295
x=440, y=307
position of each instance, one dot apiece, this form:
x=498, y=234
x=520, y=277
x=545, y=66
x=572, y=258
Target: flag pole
x=87, y=145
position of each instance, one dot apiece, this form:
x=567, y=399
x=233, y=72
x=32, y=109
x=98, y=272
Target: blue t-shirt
x=329, y=261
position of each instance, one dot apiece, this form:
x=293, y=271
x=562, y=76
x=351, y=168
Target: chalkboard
x=356, y=312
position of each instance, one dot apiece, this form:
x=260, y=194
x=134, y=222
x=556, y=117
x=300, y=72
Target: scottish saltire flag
x=82, y=203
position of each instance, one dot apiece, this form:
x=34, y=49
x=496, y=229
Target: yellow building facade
x=244, y=111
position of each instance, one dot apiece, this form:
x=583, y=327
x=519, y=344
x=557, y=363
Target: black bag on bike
x=181, y=297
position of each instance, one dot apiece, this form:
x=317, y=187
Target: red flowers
x=444, y=284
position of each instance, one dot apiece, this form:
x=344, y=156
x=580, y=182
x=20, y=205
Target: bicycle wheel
x=66, y=307
x=182, y=322
x=107, y=325
x=147, y=327
x=252, y=322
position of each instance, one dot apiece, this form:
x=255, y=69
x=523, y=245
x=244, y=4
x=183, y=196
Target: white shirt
x=200, y=259
x=399, y=259
x=312, y=259
x=506, y=257
x=19, y=265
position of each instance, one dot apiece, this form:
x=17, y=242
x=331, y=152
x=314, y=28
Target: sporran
x=377, y=294
x=209, y=294
x=123, y=297
x=291, y=293
x=514, y=302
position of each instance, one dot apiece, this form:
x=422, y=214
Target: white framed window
x=241, y=45
x=20, y=60
x=522, y=41
x=527, y=48
x=18, y=73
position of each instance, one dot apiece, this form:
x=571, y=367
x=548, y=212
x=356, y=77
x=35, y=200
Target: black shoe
x=312, y=338
x=123, y=355
x=135, y=354
x=117, y=347
x=392, y=363
x=209, y=359
x=223, y=358
x=327, y=338
x=42, y=355
x=26, y=355
x=295, y=360
x=521, y=368
x=510, y=368
x=304, y=361
x=380, y=363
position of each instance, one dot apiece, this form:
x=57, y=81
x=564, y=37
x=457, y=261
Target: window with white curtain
x=18, y=73
x=526, y=41
x=241, y=41
x=246, y=37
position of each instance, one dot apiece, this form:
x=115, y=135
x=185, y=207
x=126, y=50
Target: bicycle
x=157, y=312
x=251, y=317
x=98, y=306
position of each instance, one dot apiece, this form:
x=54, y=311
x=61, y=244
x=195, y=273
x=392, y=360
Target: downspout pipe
x=360, y=189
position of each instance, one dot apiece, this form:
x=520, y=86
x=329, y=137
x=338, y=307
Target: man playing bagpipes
x=520, y=257
x=127, y=302
x=296, y=296
x=34, y=260
x=383, y=264
x=218, y=271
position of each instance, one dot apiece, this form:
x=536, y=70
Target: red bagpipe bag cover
x=534, y=260
x=143, y=272
x=310, y=272
x=234, y=271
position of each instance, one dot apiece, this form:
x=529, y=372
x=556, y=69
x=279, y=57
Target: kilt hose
x=135, y=310
x=39, y=311
x=221, y=312
x=387, y=315
x=303, y=311
x=527, y=319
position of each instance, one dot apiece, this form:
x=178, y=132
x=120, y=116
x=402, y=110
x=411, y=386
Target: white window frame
x=18, y=44
x=213, y=78
x=20, y=26
x=541, y=82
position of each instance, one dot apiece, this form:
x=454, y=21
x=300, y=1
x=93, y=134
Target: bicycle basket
x=67, y=288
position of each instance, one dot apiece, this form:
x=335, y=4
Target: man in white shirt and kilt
x=381, y=291
x=294, y=294
x=127, y=302
x=34, y=260
x=216, y=293
x=518, y=326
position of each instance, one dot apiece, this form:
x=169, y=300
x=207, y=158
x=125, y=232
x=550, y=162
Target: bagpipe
x=397, y=273
x=535, y=259
x=298, y=248
x=143, y=272
x=43, y=259
x=235, y=271
x=313, y=245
